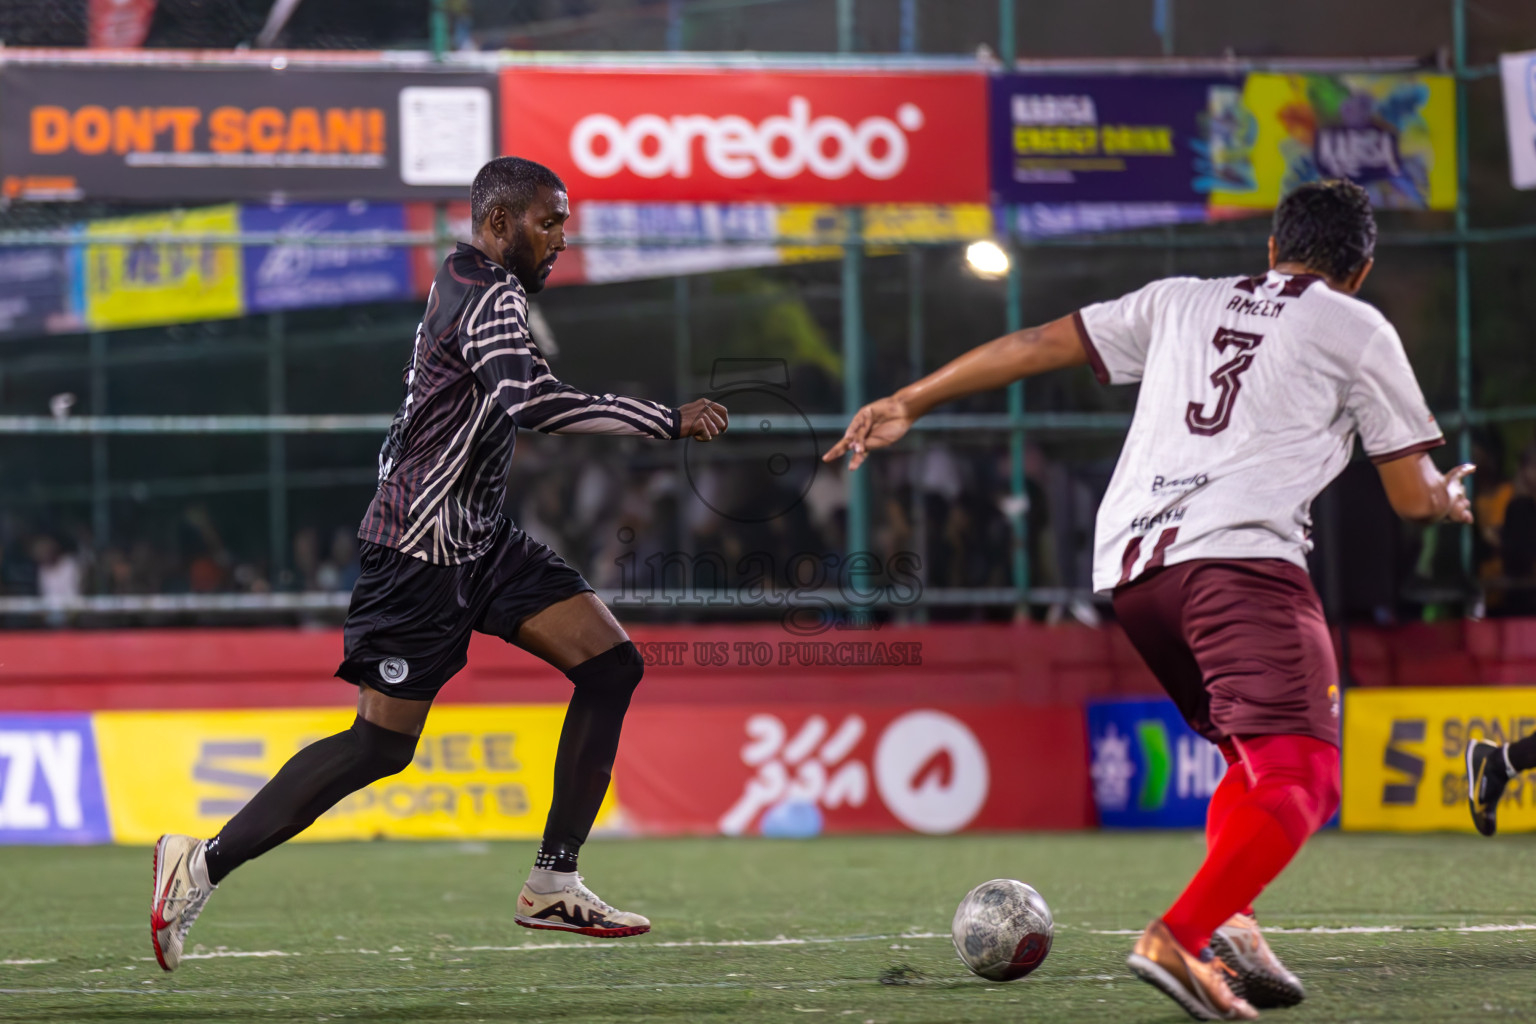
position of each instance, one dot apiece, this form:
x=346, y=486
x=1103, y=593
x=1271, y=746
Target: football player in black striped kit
x=440, y=561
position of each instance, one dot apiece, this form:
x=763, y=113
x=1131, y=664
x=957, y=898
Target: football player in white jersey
x=1253, y=390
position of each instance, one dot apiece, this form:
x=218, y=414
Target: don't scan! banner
x=181, y=134
x=1405, y=756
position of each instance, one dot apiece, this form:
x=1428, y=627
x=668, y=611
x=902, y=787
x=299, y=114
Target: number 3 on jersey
x=1227, y=378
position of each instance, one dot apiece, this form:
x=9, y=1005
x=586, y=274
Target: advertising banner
x=1519, y=72
x=1405, y=750
x=161, y=282
x=50, y=781
x=201, y=133
x=1393, y=134
x=1105, y=139
x=479, y=772
x=35, y=290
x=1150, y=769
x=763, y=136
x=863, y=768
x=296, y=276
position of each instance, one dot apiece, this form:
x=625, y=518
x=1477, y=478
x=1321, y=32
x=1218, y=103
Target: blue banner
x=34, y=290
x=297, y=276
x=1149, y=769
x=50, y=780
x=1109, y=139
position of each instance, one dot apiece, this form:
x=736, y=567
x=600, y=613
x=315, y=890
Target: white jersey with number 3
x=1252, y=393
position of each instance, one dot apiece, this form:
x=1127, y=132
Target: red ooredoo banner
x=867, y=768
x=770, y=136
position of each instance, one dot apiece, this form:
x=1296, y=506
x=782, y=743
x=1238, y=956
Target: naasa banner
x=1405, y=756
x=204, y=133
x=1395, y=135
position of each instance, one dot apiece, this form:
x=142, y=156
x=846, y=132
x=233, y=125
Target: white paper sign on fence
x=1520, y=113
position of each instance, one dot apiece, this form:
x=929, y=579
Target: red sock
x=1232, y=788
x=1294, y=788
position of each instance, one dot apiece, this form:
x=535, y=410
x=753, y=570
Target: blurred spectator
x=208, y=571
x=1518, y=539
x=306, y=559
x=58, y=571
x=340, y=570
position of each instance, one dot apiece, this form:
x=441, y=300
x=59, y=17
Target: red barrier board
x=868, y=768
x=779, y=136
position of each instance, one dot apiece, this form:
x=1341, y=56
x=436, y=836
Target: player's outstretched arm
x=1420, y=494
x=996, y=364
x=702, y=420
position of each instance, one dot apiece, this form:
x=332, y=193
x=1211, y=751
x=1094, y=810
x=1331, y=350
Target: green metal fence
x=277, y=424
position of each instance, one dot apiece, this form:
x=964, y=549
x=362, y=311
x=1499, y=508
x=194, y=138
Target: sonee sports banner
x=191, y=134
x=781, y=136
x=1405, y=756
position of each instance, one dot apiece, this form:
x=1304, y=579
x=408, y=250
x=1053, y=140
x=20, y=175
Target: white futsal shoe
x=578, y=909
x=181, y=891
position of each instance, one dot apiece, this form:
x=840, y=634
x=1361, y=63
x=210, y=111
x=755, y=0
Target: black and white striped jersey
x=475, y=376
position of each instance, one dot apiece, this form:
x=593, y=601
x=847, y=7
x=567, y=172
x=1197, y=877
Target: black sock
x=1522, y=754
x=588, y=742
x=312, y=782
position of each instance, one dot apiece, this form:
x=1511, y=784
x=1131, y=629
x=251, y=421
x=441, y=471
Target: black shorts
x=408, y=626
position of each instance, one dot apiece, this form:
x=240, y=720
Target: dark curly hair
x=1326, y=226
x=508, y=181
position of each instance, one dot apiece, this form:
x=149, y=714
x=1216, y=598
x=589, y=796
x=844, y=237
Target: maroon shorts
x=1241, y=646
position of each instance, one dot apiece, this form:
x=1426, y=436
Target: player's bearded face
x=537, y=239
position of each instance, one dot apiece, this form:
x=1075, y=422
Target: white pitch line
x=1363, y=929
x=19, y=962
x=216, y=954
x=531, y=947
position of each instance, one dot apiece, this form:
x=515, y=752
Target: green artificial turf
x=753, y=930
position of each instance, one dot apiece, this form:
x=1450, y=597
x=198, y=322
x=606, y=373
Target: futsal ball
x=1002, y=929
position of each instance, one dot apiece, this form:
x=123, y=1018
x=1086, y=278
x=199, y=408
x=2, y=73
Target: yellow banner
x=479, y=772
x=1405, y=756
x=884, y=224
x=162, y=283
x=1394, y=134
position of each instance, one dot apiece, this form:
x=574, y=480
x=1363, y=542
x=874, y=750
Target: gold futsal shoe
x=578, y=909
x=1259, y=976
x=1197, y=983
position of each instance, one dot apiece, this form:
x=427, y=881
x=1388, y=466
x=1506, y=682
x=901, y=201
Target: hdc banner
x=1405, y=750
x=1150, y=769
x=768, y=136
x=201, y=133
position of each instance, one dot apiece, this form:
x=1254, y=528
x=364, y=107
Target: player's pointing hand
x=877, y=425
x=704, y=420
x=1461, y=508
